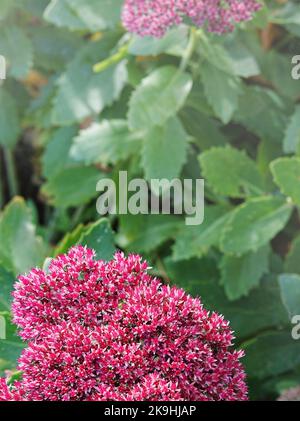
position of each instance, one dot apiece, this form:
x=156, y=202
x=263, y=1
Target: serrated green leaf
x=271, y=354
x=291, y=139
x=16, y=231
x=54, y=48
x=239, y=275
x=253, y=224
x=222, y=91
x=72, y=187
x=9, y=120
x=243, y=62
x=158, y=97
x=292, y=261
x=91, y=16
x=290, y=292
x=81, y=92
x=205, y=131
x=144, y=233
x=107, y=142
x=174, y=40
x=17, y=49
x=286, y=173
x=255, y=102
x=171, y=141
x=56, y=156
x=202, y=237
x=99, y=237
x=230, y=172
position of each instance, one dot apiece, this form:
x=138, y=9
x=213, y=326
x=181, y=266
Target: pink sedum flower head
x=99, y=331
x=155, y=17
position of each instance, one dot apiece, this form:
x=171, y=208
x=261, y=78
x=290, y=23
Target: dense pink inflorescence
x=109, y=331
x=155, y=17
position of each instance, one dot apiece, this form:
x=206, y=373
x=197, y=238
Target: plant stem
x=189, y=50
x=11, y=172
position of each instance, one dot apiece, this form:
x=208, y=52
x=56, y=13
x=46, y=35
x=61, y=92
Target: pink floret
x=99, y=331
x=155, y=17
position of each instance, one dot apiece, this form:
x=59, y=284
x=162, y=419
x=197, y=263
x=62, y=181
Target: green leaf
x=107, y=143
x=16, y=231
x=5, y=7
x=9, y=120
x=99, y=237
x=56, y=156
x=205, y=131
x=243, y=62
x=79, y=15
x=253, y=224
x=72, y=187
x=158, y=97
x=290, y=293
x=81, y=92
x=16, y=47
x=6, y=285
x=271, y=354
x=171, y=141
x=277, y=70
x=286, y=173
x=221, y=90
x=175, y=39
x=255, y=102
x=69, y=240
x=239, y=275
x=291, y=140
x=53, y=49
x=292, y=261
x=202, y=237
x=11, y=346
x=144, y=233
x=230, y=172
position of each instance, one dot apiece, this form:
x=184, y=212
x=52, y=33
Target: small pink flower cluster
x=155, y=17
x=99, y=331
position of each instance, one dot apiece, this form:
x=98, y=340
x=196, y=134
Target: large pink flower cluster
x=109, y=331
x=155, y=17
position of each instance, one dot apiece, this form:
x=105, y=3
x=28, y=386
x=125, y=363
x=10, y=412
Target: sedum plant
x=161, y=95
x=99, y=330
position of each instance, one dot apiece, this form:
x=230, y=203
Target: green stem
x=114, y=59
x=11, y=172
x=189, y=50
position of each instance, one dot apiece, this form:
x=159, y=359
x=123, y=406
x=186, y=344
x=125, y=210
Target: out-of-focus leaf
x=254, y=224
x=171, y=141
x=99, y=237
x=290, y=292
x=107, y=142
x=159, y=97
x=20, y=248
x=239, y=275
x=230, y=172
x=286, y=173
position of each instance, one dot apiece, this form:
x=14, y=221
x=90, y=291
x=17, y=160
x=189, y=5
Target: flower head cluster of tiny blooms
x=99, y=331
x=155, y=17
